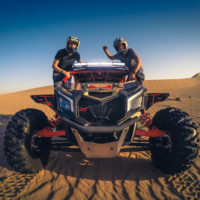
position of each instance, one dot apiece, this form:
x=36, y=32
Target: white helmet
x=119, y=41
x=73, y=39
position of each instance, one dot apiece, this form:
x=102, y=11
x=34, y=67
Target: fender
x=152, y=98
x=47, y=99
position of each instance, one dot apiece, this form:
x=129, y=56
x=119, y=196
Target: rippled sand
x=129, y=176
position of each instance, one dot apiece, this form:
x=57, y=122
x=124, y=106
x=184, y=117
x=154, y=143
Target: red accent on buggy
x=95, y=87
x=56, y=120
x=47, y=132
x=44, y=99
x=98, y=75
x=154, y=132
x=145, y=119
x=155, y=98
x=83, y=109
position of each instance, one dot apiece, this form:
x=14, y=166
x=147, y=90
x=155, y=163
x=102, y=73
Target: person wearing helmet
x=64, y=59
x=129, y=57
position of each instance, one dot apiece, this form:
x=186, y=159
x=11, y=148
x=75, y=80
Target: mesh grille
x=101, y=138
x=100, y=94
x=105, y=113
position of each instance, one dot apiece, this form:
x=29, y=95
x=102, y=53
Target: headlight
x=135, y=101
x=65, y=104
x=134, y=104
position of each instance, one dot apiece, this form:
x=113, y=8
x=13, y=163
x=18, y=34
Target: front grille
x=100, y=94
x=101, y=138
x=104, y=113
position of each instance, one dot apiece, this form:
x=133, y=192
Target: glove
x=131, y=77
x=66, y=73
x=105, y=48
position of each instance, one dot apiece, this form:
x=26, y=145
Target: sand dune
x=130, y=176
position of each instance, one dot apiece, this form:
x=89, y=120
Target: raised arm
x=105, y=48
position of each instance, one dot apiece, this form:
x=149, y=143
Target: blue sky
x=164, y=33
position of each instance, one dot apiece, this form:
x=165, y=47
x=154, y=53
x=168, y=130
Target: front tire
x=176, y=151
x=25, y=151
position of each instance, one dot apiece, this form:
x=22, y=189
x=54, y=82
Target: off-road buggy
x=101, y=114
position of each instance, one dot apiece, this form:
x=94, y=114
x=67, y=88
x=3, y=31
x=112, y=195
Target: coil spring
x=145, y=120
x=55, y=121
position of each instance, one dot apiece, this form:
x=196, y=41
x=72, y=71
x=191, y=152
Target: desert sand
x=129, y=176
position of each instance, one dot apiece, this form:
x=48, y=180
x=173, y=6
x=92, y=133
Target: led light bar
x=101, y=64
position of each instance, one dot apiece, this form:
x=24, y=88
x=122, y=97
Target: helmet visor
x=72, y=44
x=120, y=47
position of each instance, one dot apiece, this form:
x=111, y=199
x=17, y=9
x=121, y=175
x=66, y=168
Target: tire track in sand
x=120, y=178
x=70, y=176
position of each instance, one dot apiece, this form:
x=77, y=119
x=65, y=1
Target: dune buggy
x=101, y=114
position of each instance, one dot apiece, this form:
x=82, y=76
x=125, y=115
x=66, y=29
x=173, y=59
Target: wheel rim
x=35, y=145
x=163, y=143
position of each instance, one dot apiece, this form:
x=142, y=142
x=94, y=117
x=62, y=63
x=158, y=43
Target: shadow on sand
x=4, y=119
x=120, y=168
x=74, y=164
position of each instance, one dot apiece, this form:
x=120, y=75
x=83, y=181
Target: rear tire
x=25, y=151
x=176, y=151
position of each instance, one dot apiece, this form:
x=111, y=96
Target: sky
x=164, y=33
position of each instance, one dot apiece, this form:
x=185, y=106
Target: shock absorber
x=145, y=119
x=55, y=121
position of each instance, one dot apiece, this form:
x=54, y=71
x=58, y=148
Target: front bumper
x=103, y=150
x=95, y=150
x=101, y=129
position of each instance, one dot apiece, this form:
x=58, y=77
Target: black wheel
x=25, y=151
x=176, y=151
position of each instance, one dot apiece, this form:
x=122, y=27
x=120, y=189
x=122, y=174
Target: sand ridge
x=69, y=175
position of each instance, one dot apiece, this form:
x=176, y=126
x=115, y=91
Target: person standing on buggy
x=129, y=57
x=64, y=59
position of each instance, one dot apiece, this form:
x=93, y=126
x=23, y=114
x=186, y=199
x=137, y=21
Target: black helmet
x=119, y=41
